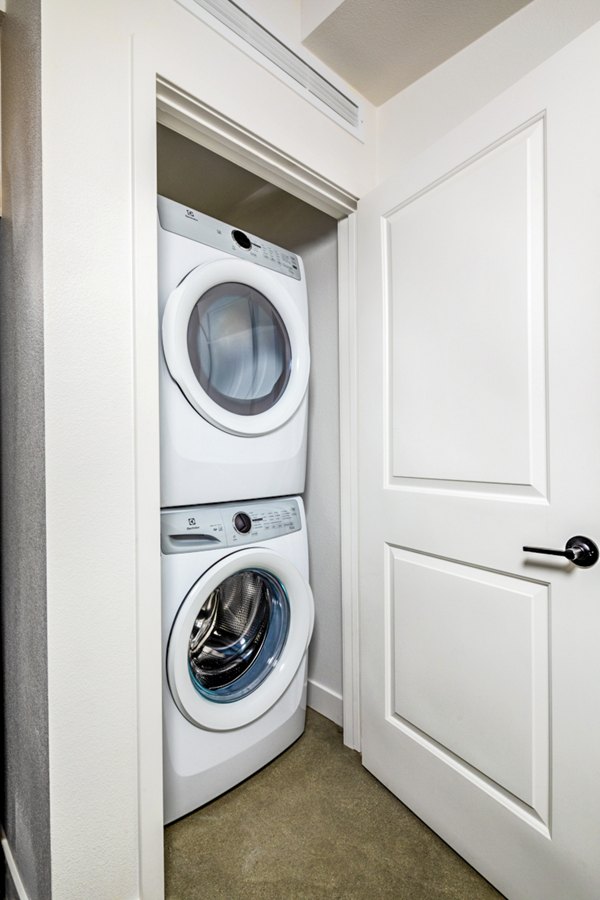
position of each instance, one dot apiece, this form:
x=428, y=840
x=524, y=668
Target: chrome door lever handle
x=581, y=551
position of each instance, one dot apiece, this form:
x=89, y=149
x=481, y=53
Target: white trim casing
x=325, y=701
x=197, y=121
x=147, y=478
x=347, y=254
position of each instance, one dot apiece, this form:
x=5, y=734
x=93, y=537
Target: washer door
x=239, y=638
x=237, y=346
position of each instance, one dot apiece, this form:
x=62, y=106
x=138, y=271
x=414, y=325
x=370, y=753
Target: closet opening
x=207, y=183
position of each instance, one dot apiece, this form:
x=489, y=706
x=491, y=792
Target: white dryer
x=238, y=616
x=234, y=362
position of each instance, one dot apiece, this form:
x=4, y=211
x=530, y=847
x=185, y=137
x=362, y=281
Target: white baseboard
x=12, y=867
x=325, y=701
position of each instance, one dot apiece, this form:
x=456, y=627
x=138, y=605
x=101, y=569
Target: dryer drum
x=238, y=635
x=239, y=349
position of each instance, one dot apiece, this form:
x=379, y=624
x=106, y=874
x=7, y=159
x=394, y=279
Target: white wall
x=104, y=663
x=280, y=16
x=322, y=496
x=423, y=112
x=90, y=450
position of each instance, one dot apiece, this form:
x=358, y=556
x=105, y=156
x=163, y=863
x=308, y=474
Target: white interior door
x=479, y=371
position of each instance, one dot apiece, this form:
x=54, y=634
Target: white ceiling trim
x=195, y=120
x=298, y=68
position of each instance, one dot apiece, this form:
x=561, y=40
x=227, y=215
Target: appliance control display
x=261, y=521
x=198, y=227
x=197, y=528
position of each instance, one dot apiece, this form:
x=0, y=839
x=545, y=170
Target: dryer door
x=237, y=345
x=239, y=638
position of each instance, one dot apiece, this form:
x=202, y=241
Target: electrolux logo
x=190, y=214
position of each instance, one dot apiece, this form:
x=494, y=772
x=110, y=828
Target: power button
x=242, y=522
x=241, y=239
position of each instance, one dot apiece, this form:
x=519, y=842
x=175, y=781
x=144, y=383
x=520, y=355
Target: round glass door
x=239, y=349
x=238, y=635
x=236, y=342
x=239, y=638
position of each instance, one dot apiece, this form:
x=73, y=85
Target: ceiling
x=381, y=46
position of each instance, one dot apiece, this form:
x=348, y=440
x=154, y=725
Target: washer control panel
x=195, y=225
x=193, y=528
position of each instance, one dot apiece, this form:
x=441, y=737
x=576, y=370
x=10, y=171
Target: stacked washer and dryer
x=237, y=607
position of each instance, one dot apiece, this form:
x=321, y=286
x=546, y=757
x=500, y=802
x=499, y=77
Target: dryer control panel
x=193, y=528
x=197, y=226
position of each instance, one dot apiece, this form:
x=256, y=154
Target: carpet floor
x=313, y=824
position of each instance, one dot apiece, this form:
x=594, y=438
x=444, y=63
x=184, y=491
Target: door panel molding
x=455, y=611
x=452, y=305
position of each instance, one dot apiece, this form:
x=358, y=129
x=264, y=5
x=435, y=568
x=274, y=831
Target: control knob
x=242, y=522
x=241, y=239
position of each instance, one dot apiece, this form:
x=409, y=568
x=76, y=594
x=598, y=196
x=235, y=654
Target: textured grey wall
x=25, y=815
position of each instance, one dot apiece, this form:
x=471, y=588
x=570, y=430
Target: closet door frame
x=195, y=120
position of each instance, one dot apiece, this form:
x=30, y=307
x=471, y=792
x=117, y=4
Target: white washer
x=234, y=362
x=238, y=615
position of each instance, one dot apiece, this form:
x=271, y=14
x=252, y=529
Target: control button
x=242, y=522
x=241, y=239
